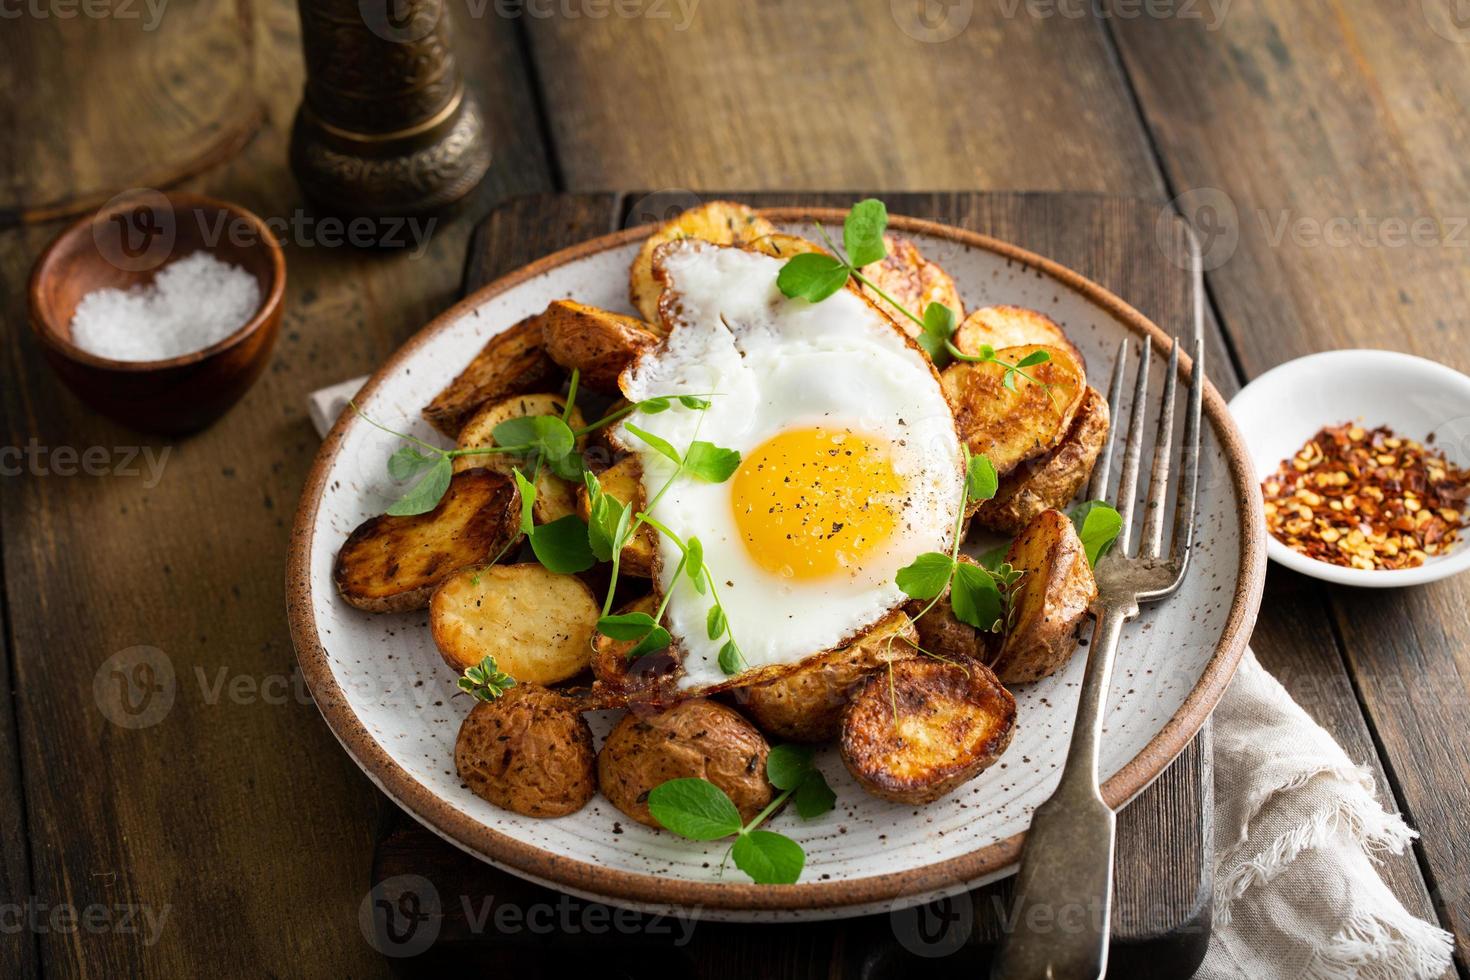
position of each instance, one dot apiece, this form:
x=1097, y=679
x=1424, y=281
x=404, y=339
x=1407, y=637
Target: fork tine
x=1151, y=542
x=1097, y=487
x=1133, y=450
x=1189, y=459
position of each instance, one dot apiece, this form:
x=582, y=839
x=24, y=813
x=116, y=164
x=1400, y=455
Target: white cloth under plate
x=1297, y=830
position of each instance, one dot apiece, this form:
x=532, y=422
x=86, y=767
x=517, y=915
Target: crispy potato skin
x=783, y=246
x=940, y=632
x=598, y=343
x=648, y=678
x=555, y=497
x=721, y=222
x=1013, y=426
x=692, y=738
x=529, y=752
x=1052, y=480
x=1012, y=326
x=624, y=480
x=392, y=564
x=913, y=280
x=953, y=721
x=807, y=706
x=538, y=625
x=513, y=361
x=1051, y=598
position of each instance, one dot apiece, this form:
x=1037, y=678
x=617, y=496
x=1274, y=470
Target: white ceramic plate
x=390, y=699
x=1416, y=398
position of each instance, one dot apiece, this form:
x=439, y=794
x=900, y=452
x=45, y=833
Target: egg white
x=770, y=364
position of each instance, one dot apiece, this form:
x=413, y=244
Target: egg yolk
x=812, y=502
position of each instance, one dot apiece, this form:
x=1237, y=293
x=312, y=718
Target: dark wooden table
x=1303, y=139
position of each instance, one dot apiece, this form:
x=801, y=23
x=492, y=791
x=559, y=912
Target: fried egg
x=850, y=463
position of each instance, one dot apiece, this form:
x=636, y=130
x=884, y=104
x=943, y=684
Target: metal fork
x=1067, y=866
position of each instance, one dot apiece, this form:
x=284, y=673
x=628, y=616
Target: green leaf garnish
x=769, y=858
x=547, y=434
x=626, y=627
x=658, y=443
x=1098, y=525
x=710, y=463
x=787, y=765
x=409, y=461
x=975, y=597
x=939, y=325
x=694, y=564
x=862, y=233
x=730, y=660
x=694, y=402
x=814, y=797
x=812, y=276
x=694, y=808
x=927, y=576
x=563, y=546
x=657, y=639
x=528, y=501
x=427, y=493
x=715, y=625
x=980, y=479
x=485, y=681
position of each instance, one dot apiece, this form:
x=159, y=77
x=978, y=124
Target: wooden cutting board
x=434, y=906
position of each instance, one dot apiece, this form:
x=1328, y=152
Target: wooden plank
x=811, y=96
x=1330, y=138
x=236, y=815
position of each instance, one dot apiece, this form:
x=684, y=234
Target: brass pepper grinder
x=385, y=128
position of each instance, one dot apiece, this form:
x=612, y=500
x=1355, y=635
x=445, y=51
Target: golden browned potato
x=783, y=246
x=513, y=361
x=392, y=564
x=693, y=738
x=1053, y=479
x=1054, y=593
x=624, y=482
x=555, y=497
x=1013, y=426
x=807, y=706
x=932, y=726
x=913, y=280
x=538, y=625
x=528, y=751
x=649, y=677
x=1012, y=326
x=598, y=343
x=943, y=634
x=721, y=222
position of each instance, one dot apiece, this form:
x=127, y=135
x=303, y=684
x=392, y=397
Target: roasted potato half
x=528, y=751
x=392, y=564
x=942, y=633
x=696, y=737
x=598, y=343
x=932, y=726
x=538, y=625
x=913, y=280
x=513, y=361
x=1013, y=426
x=783, y=246
x=647, y=676
x=1054, y=593
x=1053, y=479
x=555, y=497
x=1012, y=326
x=721, y=222
x=807, y=706
x=624, y=480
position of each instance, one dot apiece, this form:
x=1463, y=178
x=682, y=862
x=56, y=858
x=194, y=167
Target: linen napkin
x=1297, y=830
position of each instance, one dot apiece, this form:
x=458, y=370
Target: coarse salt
x=192, y=303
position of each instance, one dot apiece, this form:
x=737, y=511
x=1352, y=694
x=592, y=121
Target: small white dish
x=1417, y=398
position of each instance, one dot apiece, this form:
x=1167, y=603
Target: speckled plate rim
x=857, y=895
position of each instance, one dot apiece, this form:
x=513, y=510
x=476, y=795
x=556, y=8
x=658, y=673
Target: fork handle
x=1062, y=907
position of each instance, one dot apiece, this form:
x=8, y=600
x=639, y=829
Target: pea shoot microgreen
x=1098, y=525
x=697, y=809
x=814, y=276
x=485, y=681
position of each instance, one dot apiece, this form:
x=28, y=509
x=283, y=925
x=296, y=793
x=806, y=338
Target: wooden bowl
x=124, y=245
